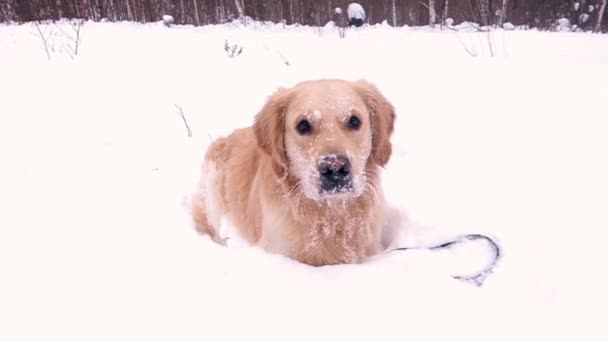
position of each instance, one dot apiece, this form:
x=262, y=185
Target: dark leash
x=479, y=277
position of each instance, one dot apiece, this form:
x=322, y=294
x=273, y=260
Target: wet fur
x=249, y=179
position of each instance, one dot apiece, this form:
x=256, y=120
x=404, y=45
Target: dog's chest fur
x=321, y=233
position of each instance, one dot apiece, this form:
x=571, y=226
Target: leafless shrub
x=233, y=50
x=49, y=33
x=73, y=38
x=45, y=34
x=480, y=42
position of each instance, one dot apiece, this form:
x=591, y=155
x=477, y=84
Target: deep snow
x=95, y=163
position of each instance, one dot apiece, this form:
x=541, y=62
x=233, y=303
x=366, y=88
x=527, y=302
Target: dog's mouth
x=337, y=192
x=336, y=186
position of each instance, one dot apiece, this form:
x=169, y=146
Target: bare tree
x=432, y=13
x=196, y=16
x=240, y=7
x=394, y=12
x=59, y=11
x=182, y=11
x=129, y=11
x=484, y=11
x=503, y=12
x=540, y=14
x=113, y=11
x=600, y=16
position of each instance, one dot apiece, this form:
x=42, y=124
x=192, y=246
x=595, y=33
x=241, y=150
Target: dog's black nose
x=335, y=173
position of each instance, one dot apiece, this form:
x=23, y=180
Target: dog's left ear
x=382, y=117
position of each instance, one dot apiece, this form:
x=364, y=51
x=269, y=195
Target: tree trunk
x=503, y=12
x=240, y=7
x=446, y=4
x=432, y=14
x=600, y=16
x=394, y=12
x=113, y=7
x=196, y=16
x=93, y=10
x=291, y=13
x=59, y=11
x=484, y=12
x=182, y=12
x=129, y=11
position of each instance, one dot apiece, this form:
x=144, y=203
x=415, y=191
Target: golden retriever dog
x=304, y=180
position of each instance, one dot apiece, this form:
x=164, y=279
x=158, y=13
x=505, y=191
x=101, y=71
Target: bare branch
x=42, y=35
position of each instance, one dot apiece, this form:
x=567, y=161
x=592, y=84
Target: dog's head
x=327, y=134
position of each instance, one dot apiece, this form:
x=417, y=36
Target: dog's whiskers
x=291, y=191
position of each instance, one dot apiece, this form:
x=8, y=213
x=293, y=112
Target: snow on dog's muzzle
x=335, y=174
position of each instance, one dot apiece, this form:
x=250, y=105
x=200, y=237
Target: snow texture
x=95, y=244
x=355, y=10
x=338, y=10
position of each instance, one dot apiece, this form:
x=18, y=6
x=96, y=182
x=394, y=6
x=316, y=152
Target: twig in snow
x=471, y=52
x=181, y=113
x=232, y=50
x=285, y=60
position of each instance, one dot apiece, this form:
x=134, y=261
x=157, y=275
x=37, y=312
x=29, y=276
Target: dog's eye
x=354, y=122
x=304, y=127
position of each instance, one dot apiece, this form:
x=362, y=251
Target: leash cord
x=478, y=278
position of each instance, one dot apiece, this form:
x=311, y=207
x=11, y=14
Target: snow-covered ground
x=95, y=162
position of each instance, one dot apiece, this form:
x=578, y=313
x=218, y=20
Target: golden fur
x=264, y=179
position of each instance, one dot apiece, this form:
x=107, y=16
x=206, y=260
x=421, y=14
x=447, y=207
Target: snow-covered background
x=95, y=162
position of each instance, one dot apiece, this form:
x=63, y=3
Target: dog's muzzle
x=335, y=175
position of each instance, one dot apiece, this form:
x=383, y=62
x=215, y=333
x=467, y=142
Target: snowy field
x=95, y=163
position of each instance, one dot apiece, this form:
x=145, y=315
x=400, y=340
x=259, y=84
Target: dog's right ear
x=269, y=128
x=382, y=120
